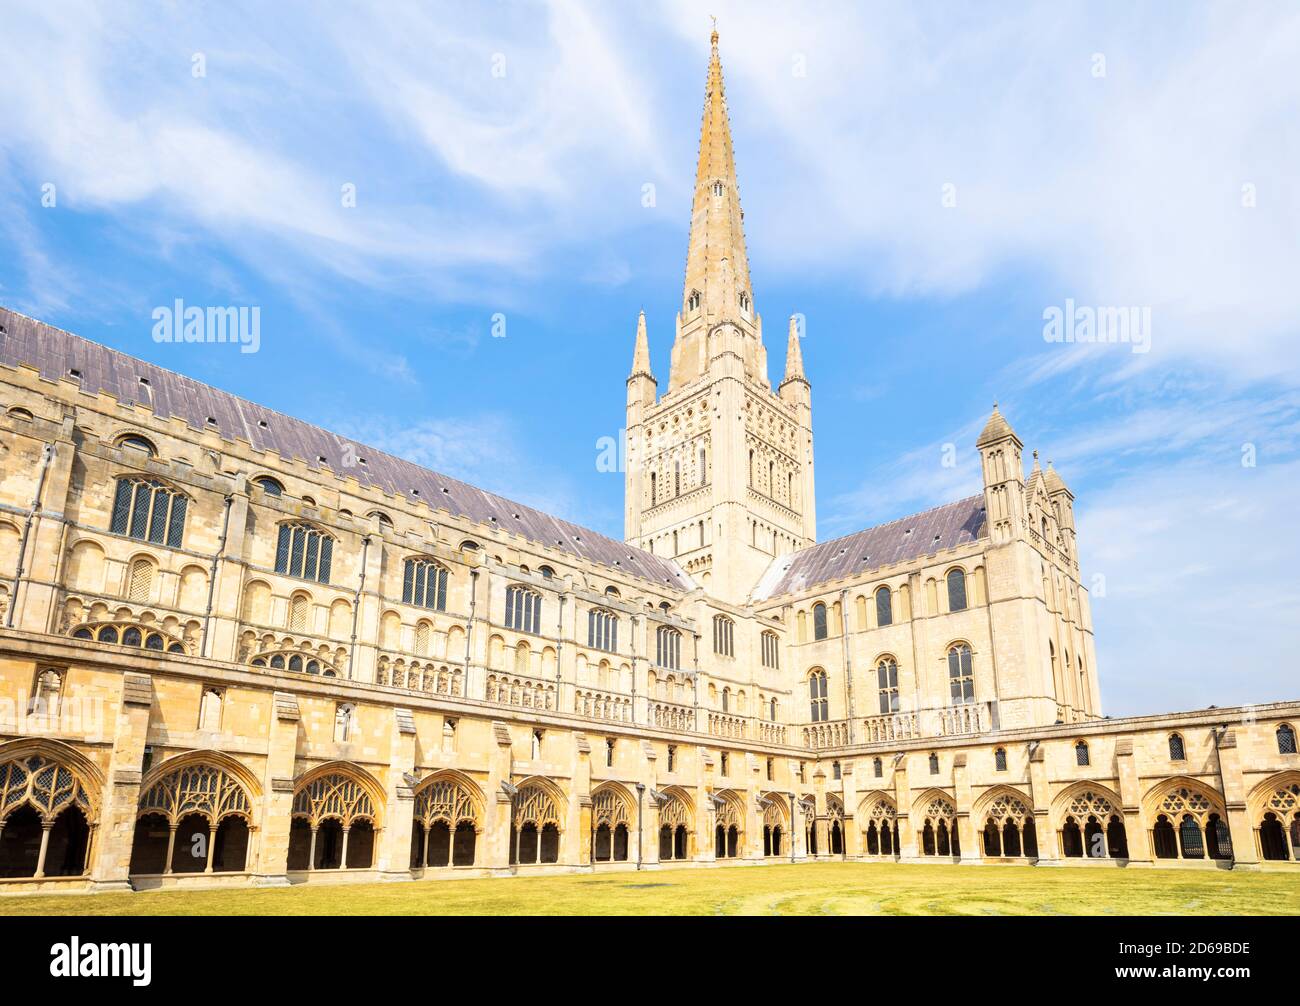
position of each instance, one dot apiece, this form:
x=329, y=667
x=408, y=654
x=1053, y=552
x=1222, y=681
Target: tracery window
x=668, y=648
x=817, y=696
x=610, y=826
x=44, y=819
x=884, y=607
x=1000, y=760
x=1081, y=755
x=881, y=832
x=771, y=653
x=1093, y=828
x=535, y=829
x=724, y=630
x=1279, y=828
x=523, y=609
x=1009, y=829
x=445, y=827
x=1190, y=825
x=1177, y=750
x=961, y=676
x=304, y=551
x=774, y=827
x=129, y=634
x=887, y=684
x=675, y=826
x=602, y=630
x=148, y=510
x=193, y=820
x=333, y=825
x=939, y=829
x=727, y=828
x=424, y=584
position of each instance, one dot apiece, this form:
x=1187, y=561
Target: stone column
x=970, y=847
x=1136, y=828
x=577, y=840
x=705, y=819
x=272, y=850
x=1245, y=851
x=1040, y=795
x=496, y=854
x=121, y=794
x=907, y=850
x=393, y=858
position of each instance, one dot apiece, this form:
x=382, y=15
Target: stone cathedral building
x=239, y=649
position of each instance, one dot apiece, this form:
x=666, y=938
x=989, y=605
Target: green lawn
x=806, y=889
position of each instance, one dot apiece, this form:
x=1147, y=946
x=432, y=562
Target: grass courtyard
x=805, y=889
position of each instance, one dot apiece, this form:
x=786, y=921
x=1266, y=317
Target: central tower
x=720, y=469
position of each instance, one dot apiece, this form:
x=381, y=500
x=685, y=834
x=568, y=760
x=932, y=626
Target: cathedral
x=237, y=649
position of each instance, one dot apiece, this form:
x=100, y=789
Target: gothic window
x=269, y=485
x=961, y=678
x=939, y=831
x=693, y=301
x=424, y=584
x=535, y=834
x=444, y=829
x=884, y=607
x=304, y=551
x=817, y=696
x=1081, y=756
x=704, y=477
x=1009, y=829
x=668, y=648
x=836, y=770
x=299, y=610
x=1177, y=750
x=771, y=655
x=602, y=630
x=726, y=699
x=523, y=609
x=877, y=767
x=195, y=800
x=724, y=636
x=934, y=763
x=148, y=510
x=956, y=590
x=772, y=705
x=333, y=825
x=887, y=684
x=1000, y=760
x=820, y=629
x=535, y=745
x=1286, y=739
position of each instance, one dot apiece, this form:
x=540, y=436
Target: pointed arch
x=338, y=790
x=450, y=796
x=50, y=775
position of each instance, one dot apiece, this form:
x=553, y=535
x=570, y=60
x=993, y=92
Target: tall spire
x=794, y=354
x=641, y=355
x=717, y=267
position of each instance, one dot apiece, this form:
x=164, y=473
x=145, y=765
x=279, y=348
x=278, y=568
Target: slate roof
x=55, y=353
x=902, y=540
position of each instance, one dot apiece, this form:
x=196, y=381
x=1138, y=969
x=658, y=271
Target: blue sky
x=921, y=183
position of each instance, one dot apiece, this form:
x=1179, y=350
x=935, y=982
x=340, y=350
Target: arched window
x=934, y=763
x=877, y=767
x=343, y=717
x=1177, y=750
x=772, y=705
x=668, y=648
x=1286, y=739
x=299, y=612
x=139, y=443
x=819, y=621
x=817, y=696
x=424, y=584
x=961, y=678
x=210, y=709
x=523, y=609
x=1081, y=756
x=724, y=636
x=269, y=485
x=884, y=606
x=305, y=551
x=726, y=700
x=139, y=581
x=602, y=630
x=956, y=590
x=148, y=510
x=771, y=654
x=654, y=488
x=1000, y=760
x=887, y=684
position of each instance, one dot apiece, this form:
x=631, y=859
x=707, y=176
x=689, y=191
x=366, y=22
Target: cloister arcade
x=200, y=813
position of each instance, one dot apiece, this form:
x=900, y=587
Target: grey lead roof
x=55, y=353
x=901, y=540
